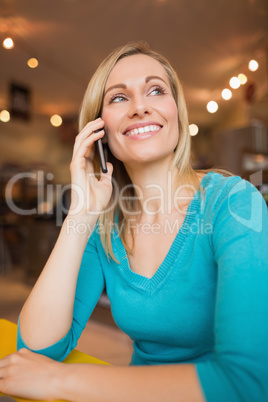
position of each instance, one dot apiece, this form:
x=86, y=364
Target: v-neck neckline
x=175, y=251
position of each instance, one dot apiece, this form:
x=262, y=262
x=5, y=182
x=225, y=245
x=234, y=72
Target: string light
x=212, y=107
x=8, y=43
x=226, y=94
x=193, y=128
x=4, y=116
x=56, y=120
x=242, y=78
x=253, y=65
x=234, y=83
x=33, y=62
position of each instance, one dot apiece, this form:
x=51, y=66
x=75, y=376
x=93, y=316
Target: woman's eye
x=117, y=98
x=157, y=91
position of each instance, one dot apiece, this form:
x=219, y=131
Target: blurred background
x=48, y=52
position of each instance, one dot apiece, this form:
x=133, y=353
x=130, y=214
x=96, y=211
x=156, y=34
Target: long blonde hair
x=91, y=109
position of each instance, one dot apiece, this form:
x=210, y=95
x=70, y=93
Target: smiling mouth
x=142, y=130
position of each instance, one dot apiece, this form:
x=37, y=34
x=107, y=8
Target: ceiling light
x=253, y=65
x=32, y=63
x=193, y=128
x=4, y=116
x=212, y=107
x=242, y=78
x=226, y=94
x=8, y=43
x=56, y=120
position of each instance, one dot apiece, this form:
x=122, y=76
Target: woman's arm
x=178, y=383
x=48, y=312
x=239, y=371
x=29, y=375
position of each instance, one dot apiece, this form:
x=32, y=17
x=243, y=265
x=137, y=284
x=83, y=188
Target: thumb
x=106, y=178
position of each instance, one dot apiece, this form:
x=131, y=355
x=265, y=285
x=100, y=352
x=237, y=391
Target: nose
x=138, y=107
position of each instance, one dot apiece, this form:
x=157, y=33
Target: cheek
x=172, y=115
x=112, y=121
x=110, y=126
x=107, y=119
x=172, y=110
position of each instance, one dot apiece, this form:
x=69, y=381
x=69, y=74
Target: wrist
x=82, y=225
x=74, y=382
x=62, y=382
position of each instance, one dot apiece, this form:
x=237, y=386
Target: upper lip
x=144, y=124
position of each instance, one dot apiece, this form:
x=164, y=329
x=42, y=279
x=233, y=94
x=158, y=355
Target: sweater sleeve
x=90, y=284
x=238, y=371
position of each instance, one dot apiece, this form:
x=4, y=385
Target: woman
x=183, y=256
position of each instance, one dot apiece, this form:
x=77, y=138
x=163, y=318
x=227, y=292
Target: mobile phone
x=101, y=154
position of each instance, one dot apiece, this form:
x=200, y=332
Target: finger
x=3, y=363
x=89, y=129
x=83, y=147
x=5, y=360
x=92, y=125
x=3, y=388
x=79, y=140
x=2, y=373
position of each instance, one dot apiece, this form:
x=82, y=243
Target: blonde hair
x=91, y=109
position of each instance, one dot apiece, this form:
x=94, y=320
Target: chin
x=147, y=158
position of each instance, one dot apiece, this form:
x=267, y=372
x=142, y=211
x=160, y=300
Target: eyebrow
x=147, y=79
x=114, y=87
x=154, y=77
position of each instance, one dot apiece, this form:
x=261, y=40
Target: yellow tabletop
x=8, y=345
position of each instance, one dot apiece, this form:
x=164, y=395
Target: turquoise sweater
x=207, y=304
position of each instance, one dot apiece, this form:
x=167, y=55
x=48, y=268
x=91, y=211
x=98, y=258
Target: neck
x=156, y=187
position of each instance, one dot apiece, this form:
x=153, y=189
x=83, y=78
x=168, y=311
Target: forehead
x=134, y=67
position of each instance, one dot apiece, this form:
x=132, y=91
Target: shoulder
x=216, y=182
x=218, y=187
x=235, y=198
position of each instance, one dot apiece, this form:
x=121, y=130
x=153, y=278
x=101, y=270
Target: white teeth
x=142, y=130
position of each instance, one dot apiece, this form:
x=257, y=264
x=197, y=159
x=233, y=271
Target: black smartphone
x=101, y=154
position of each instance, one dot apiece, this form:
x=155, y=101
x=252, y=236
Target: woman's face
x=139, y=111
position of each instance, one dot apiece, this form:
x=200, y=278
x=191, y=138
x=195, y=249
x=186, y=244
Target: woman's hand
x=88, y=195
x=29, y=375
